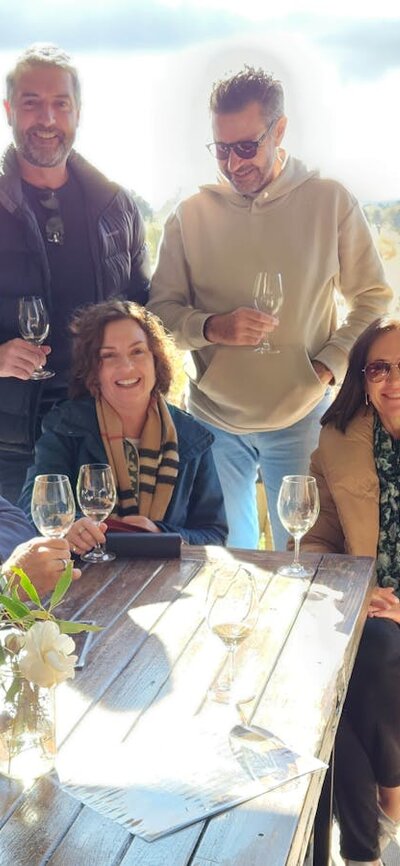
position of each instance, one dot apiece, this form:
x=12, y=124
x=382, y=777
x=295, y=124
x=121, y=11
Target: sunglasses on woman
x=377, y=371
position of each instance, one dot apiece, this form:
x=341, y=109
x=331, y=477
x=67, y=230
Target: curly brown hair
x=87, y=328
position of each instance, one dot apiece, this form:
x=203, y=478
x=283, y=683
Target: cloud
x=118, y=25
x=363, y=49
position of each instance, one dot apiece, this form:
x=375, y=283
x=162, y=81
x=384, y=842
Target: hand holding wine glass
x=232, y=612
x=96, y=495
x=34, y=327
x=267, y=297
x=53, y=505
x=298, y=509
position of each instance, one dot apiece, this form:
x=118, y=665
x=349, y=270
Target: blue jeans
x=276, y=453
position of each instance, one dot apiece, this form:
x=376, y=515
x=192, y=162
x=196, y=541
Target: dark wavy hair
x=351, y=396
x=249, y=85
x=87, y=329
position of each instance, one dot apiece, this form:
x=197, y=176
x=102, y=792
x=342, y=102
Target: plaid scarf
x=158, y=459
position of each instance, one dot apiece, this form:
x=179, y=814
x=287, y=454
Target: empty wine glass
x=267, y=297
x=232, y=612
x=96, y=496
x=34, y=327
x=298, y=509
x=53, y=505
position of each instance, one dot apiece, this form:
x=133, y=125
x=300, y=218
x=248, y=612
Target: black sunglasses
x=54, y=225
x=243, y=149
x=377, y=371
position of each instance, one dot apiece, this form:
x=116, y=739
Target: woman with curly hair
x=160, y=456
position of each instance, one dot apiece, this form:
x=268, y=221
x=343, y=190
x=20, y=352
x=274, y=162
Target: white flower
x=46, y=656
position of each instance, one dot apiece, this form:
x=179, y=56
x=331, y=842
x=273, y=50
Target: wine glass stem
x=231, y=665
x=296, y=560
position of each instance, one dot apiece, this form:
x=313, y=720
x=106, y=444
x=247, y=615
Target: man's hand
x=19, y=358
x=242, y=327
x=43, y=560
x=324, y=374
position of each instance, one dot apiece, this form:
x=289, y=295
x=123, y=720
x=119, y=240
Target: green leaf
x=16, y=609
x=61, y=586
x=19, y=571
x=29, y=588
x=13, y=690
x=76, y=627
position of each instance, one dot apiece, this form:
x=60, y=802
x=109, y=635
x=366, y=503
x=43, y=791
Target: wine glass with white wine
x=267, y=297
x=298, y=509
x=34, y=327
x=53, y=505
x=96, y=495
x=232, y=613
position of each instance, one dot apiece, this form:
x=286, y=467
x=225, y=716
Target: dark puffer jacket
x=117, y=242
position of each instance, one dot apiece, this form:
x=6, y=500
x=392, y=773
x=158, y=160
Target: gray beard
x=33, y=153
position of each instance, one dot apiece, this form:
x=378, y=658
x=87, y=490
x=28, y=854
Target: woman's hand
x=43, y=560
x=141, y=523
x=384, y=603
x=84, y=534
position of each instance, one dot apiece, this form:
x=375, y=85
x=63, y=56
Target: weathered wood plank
x=299, y=704
x=154, y=663
x=92, y=841
x=37, y=825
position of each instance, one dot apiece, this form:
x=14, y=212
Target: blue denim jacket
x=71, y=437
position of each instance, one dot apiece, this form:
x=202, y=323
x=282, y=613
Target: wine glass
x=53, y=505
x=232, y=612
x=298, y=509
x=34, y=327
x=267, y=297
x=96, y=496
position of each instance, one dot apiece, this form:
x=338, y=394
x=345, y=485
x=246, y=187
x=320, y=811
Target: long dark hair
x=351, y=396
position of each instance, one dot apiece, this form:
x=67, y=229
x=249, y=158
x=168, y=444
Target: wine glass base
x=267, y=350
x=295, y=571
x=222, y=693
x=42, y=374
x=103, y=556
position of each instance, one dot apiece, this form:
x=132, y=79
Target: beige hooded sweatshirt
x=314, y=233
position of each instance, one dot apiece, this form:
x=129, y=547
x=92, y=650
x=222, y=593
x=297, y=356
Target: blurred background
x=147, y=69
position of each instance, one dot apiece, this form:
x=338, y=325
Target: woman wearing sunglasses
x=357, y=468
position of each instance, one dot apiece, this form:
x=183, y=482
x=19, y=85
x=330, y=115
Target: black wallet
x=157, y=545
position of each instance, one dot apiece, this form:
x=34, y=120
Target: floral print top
x=387, y=461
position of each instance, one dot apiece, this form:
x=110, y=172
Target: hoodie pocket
x=261, y=392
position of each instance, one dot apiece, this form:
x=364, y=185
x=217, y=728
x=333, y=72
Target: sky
x=147, y=69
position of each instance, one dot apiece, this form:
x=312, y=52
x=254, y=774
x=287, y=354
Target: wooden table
x=157, y=655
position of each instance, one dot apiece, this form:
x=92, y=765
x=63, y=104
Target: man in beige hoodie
x=266, y=213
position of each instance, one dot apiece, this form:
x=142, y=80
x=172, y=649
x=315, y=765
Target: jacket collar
x=78, y=418
x=98, y=190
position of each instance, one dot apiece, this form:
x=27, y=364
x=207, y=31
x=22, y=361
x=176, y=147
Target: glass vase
x=27, y=726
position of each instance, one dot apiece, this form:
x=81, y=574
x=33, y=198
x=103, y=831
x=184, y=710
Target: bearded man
x=67, y=235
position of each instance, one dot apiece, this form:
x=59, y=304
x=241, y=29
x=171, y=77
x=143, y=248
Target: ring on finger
x=65, y=563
